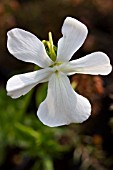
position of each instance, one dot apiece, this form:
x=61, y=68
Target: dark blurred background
x=25, y=143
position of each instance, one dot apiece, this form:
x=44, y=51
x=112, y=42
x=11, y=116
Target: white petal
x=27, y=47
x=95, y=63
x=74, y=35
x=21, y=84
x=62, y=105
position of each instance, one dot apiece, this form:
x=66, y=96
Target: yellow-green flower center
x=56, y=64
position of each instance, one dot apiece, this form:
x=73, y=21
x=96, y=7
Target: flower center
x=56, y=69
x=56, y=64
x=51, y=50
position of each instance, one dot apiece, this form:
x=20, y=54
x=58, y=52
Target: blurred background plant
x=25, y=143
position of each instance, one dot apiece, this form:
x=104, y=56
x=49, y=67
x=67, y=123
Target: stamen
x=52, y=52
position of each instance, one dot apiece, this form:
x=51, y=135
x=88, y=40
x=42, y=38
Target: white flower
x=62, y=104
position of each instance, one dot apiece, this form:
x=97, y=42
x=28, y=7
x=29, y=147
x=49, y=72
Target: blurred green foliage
x=25, y=131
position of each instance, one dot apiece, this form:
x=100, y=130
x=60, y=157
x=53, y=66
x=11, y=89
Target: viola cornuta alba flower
x=62, y=105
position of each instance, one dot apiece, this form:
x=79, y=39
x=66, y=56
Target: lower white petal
x=62, y=105
x=95, y=63
x=21, y=84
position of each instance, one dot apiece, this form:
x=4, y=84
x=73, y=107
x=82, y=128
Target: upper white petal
x=74, y=35
x=27, y=47
x=21, y=84
x=62, y=105
x=94, y=63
